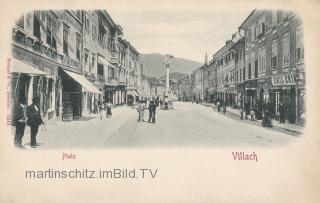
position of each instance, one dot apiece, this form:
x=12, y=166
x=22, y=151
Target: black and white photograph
x=159, y=101
x=78, y=81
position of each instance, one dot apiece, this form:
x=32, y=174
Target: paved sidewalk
x=297, y=129
x=86, y=132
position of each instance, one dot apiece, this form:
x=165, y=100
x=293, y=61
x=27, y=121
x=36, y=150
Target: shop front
x=27, y=83
x=284, y=91
x=240, y=95
x=73, y=87
x=250, y=94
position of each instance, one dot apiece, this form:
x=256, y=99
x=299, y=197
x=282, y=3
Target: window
x=86, y=60
x=65, y=39
x=111, y=72
x=274, y=54
x=51, y=28
x=300, y=45
x=93, y=61
x=36, y=24
x=78, y=45
x=261, y=25
x=252, y=34
x=262, y=60
x=286, y=50
x=87, y=22
x=102, y=32
x=274, y=18
x=94, y=32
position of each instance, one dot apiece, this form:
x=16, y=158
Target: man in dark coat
x=34, y=121
x=20, y=119
x=153, y=109
x=152, y=112
x=247, y=109
x=282, y=112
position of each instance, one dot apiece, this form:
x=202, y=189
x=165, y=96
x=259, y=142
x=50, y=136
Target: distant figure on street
x=108, y=109
x=95, y=106
x=224, y=108
x=267, y=122
x=282, y=112
x=100, y=108
x=252, y=114
x=152, y=112
x=34, y=121
x=219, y=106
x=20, y=120
x=140, y=109
x=247, y=109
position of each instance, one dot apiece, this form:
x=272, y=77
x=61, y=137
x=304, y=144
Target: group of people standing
x=99, y=107
x=152, y=111
x=27, y=116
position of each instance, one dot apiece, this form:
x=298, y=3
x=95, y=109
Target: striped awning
x=86, y=84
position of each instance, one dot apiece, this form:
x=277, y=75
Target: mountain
x=153, y=65
x=174, y=75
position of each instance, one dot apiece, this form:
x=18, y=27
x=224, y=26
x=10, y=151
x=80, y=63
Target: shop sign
x=286, y=79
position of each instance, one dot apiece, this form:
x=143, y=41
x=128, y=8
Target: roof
x=247, y=18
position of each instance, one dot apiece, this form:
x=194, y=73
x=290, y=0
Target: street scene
x=188, y=125
x=78, y=82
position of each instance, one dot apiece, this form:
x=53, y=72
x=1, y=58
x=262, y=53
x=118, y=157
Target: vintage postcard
x=149, y=101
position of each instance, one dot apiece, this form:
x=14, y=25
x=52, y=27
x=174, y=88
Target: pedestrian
x=252, y=114
x=218, y=105
x=140, y=109
x=34, y=121
x=247, y=109
x=224, y=108
x=282, y=112
x=267, y=122
x=153, y=110
x=95, y=106
x=100, y=108
x=20, y=119
x=150, y=111
x=108, y=109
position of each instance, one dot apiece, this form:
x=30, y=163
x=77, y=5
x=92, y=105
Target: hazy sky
x=183, y=33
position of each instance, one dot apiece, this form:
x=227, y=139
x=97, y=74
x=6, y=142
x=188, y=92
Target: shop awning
x=86, y=84
x=20, y=67
x=105, y=62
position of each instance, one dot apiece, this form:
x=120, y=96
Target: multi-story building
x=226, y=77
x=212, y=80
x=274, y=61
x=51, y=41
x=184, y=89
x=198, y=85
x=68, y=59
x=238, y=47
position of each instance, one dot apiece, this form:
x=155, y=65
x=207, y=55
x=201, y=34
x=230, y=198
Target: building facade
x=70, y=58
x=274, y=67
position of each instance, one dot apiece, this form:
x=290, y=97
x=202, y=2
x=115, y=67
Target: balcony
x=33, y=44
